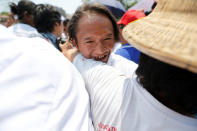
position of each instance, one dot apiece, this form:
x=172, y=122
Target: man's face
x=60, y=28
x=95, y=37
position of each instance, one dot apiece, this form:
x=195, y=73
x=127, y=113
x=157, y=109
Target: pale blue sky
x=68, y=5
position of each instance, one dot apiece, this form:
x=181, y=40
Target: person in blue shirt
x=126, y=50
x=129, y=52
x=49, y=22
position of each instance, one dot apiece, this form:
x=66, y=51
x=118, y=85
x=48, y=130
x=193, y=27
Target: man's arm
x=107, y=88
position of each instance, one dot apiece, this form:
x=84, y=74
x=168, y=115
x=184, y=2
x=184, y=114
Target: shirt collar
x=51, y=37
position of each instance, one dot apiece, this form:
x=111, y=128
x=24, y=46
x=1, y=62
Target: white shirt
x=125, y=66
x=40, y=90
x=24, y=30
x=119, y=103
x=116, y=46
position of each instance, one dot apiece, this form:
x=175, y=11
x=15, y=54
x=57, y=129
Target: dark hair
x=13, y=8
x=172, y=86
x=90, y=8
x=45, y=17
x=22, y=7
x=65, y=22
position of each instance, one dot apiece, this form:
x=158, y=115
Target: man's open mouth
x=102, y=58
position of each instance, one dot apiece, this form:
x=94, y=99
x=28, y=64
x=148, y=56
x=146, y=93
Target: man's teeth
x=100, y=57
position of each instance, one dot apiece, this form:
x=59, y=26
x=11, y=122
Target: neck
x=55, y=34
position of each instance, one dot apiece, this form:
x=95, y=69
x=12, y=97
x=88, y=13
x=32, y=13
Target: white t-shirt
x=119, y=103
x=125, y=66
x=40, y=90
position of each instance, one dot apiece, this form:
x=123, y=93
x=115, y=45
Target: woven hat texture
x=168, y=34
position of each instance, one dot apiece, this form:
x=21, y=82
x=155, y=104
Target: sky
x=68, y=5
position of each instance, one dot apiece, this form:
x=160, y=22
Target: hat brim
x=166, y=37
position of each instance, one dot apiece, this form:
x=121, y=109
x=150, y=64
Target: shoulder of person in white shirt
x=40, y=88
x=110, y=91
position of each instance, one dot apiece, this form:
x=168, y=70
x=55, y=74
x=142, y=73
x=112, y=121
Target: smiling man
x=94, y=32
x=97, y=39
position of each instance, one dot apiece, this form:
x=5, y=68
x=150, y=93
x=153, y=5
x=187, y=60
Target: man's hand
x=68, y=50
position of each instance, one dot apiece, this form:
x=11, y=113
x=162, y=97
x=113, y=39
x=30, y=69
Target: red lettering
x=106, y=127
x=103, y=127
x=113, y=129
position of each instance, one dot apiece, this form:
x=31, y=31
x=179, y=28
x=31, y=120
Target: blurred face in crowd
x=11, y=20
x=58, y=29
x=95, y=37
x=66, y=28
x=28, y=19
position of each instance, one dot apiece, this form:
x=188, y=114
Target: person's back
x=40, y=89
x=123, y=104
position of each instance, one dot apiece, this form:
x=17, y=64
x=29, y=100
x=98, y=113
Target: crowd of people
x=94, y=72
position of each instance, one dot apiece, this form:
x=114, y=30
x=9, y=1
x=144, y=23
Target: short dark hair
x=90, y=8
x=45, y=17
x=23, y=5
x=65, y=22
x=172, y=86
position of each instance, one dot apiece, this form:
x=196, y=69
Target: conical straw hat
x=168, y=34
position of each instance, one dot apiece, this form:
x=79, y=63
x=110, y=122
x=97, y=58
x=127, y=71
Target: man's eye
x=89, y=41
x=107, y=38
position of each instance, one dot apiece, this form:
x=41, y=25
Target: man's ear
x=25, y=13
x=74, y=43
x=56, y=24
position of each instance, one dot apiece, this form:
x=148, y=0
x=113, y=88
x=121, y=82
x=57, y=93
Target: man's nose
x=100, y=49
